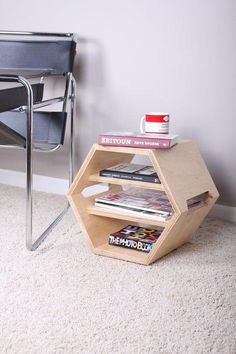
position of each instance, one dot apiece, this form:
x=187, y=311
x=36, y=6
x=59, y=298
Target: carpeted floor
x=63, y=299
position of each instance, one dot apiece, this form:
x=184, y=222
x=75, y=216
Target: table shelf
x=183, y=175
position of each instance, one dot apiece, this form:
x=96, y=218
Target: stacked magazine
x=135, y=237
x=138, y=201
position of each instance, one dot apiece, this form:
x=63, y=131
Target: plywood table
x=183, y=175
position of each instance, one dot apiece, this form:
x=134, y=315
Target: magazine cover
x=135, y=237
x=138, y=198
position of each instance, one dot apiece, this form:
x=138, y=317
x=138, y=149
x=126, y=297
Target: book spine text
x=132, y=141
x=129, y=176
x=132, y=244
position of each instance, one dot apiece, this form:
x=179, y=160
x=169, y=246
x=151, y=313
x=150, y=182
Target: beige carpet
x=64, y=299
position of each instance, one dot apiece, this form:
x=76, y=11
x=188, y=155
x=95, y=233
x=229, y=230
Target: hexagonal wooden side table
x=183, y=175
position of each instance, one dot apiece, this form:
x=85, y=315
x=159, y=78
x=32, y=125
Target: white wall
x=146, y=55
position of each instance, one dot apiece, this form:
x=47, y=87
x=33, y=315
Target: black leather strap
x=17, y=96
x=48, y=127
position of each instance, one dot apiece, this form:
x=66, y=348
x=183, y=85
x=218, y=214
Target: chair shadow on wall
x=93, y=104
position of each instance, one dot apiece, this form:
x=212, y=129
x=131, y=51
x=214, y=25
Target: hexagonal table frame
x=183, y=175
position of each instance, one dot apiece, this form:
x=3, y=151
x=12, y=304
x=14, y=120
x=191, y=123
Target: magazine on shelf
x=133, y=211
x=131, y=171
x=130, y=139
x=135, y=237
x=138, y=199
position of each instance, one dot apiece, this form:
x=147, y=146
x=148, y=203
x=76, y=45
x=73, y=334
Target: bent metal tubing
x=30, y=245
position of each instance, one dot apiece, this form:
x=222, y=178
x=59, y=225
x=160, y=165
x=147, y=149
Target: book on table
x=130, y=171
x=130, y=139
x=138, y=201
x=135, y=237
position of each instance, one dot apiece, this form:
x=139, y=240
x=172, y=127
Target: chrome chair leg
x=30, y=245
x=29, y=167
x=73, y=96
x=42, y=237
x=29, y=163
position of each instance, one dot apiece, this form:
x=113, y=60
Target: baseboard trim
x=223, y=212
x=61, y=186
x=40, y=183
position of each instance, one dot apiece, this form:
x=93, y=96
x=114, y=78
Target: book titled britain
x=131, y=171
x=147, y=141
x=135, y=237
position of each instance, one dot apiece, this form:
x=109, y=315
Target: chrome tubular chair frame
x=28, y=109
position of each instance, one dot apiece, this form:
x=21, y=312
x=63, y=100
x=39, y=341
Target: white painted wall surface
x=145, y=55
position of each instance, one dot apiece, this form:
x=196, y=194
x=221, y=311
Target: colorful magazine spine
x=136, y=141
x=135, y=237
x=128, y=243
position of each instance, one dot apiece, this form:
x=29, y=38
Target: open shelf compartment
x=183, y=175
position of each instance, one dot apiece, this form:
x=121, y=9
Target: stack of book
x=129, y=139
x=137, y=201
x=130, y=171
x=135, y=237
